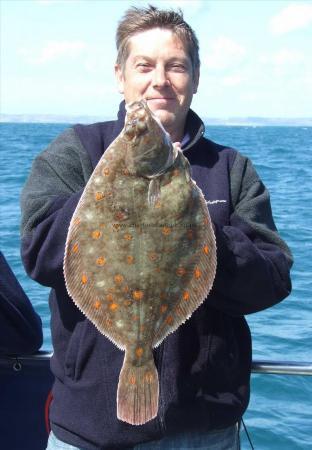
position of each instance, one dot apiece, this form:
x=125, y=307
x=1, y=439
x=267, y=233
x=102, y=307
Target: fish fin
x=153, y=192
x=138, y=392
x=187, y=169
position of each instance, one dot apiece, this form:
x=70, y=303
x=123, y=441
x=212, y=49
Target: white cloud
x=293, y=17
x=232, y=80
x=283, y=57
x=224, y=53
x=53, y=50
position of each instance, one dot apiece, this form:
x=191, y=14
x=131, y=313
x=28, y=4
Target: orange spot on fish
x=84, y=279
x=130, y=259
x=116, y=226
x=186, y=296
x=128, y=237
x=126, y=289
x=97, y=304
x=206, y=249
x=166, y=231
x=127, y=302
x=132, y=380
x=135, y=318
x=163, y=295
x=157, y=204
x=163, y=308
x=99, y=196
x=109, y=323
x=206, y=221
x=75, y=248
x=169, y=320
x=142, y=328
x=190, y=234
x=77, y=221
x=139, y=352
x=101, y=261
x=105, y=171
x=126, y=172
x=113, y=307
x=180, y=271
x=175, y=173
x=197, y=273
x=118, y=278
x=137, y=295
x=96, y=234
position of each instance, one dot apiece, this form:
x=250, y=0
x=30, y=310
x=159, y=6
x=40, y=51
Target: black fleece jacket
x=204, y=367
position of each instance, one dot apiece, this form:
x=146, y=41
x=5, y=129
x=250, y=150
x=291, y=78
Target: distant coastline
x=209, y=121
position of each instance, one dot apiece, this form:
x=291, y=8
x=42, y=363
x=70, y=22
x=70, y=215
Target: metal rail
x=258, y=366
x=282, y=367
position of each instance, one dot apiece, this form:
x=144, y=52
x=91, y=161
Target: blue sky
x=58, y=56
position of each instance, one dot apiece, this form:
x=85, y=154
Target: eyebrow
x=171, y=60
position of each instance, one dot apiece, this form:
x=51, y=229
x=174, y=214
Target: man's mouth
x=159, y=98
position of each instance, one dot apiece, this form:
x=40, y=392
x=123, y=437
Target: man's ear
x=195, y=80
x=120, y=78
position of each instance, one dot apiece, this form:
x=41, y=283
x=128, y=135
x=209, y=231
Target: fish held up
x=140, y=253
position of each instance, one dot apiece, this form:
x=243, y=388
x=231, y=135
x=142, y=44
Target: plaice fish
x=140, y=253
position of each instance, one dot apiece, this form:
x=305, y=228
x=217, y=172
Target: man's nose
x=160, y=77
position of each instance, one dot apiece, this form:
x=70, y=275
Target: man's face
x=159, y=70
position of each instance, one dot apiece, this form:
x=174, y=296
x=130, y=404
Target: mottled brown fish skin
x=139, y=271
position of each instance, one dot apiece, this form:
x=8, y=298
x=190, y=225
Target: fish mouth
x=136, y=106
x=136, y=121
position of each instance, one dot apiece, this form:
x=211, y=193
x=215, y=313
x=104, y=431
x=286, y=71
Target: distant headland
x=209, y=121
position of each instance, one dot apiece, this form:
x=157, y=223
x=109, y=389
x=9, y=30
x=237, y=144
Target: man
x=204, y=367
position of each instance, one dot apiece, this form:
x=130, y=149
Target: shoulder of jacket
x=242, y=176
x=66, y=155
x=97, y=131
x=243, y=168
x=66, y=141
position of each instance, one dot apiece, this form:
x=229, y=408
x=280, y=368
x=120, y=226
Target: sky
x=57, y=56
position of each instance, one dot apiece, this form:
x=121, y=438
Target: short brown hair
x=136, y=20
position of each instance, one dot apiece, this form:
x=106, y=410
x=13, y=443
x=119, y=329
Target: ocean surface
x=280, y=411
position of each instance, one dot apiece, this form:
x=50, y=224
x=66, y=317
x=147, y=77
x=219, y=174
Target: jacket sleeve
x=48, y=201
x=21, y=327
x=253, y=268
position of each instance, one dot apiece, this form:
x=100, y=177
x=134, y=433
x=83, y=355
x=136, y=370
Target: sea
x=279, y=416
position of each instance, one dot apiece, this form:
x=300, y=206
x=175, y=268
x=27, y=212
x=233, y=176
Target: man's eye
x=143, y=65
x=178, y=67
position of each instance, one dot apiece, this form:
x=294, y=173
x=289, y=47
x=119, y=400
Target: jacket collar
x=194, y=127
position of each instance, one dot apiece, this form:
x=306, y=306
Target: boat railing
x=258, y=366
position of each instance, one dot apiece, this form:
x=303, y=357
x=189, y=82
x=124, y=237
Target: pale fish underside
x=138, y=271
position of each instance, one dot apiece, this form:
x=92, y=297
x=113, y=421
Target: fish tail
x=138, y=391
